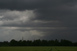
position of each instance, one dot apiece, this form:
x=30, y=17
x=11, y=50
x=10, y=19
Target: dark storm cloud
x=47, y=9
x=33, y=4
x=22, y=4
x=61, y=15
x=69, y=34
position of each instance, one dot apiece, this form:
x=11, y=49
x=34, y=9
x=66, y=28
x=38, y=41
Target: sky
x=38, y=19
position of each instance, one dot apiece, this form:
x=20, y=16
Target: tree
x=44, y=43
x=13, y=42
x=65, y=43
x=56, y=43
x=51, y=43
x=37, y=42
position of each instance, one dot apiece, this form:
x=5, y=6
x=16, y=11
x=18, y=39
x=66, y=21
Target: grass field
x=38, y=48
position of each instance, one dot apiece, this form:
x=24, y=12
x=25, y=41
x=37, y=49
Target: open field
x=38, y=48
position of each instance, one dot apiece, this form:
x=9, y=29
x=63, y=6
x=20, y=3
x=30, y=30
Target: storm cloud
x=38, y=19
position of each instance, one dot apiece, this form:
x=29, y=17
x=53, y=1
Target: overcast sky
x=38, y=19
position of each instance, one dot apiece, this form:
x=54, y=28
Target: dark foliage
x=38, y=43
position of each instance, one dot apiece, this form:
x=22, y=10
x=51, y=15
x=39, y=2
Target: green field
x=38, y=48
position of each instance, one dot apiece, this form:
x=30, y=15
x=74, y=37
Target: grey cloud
x=32, y=4
x=50, y=13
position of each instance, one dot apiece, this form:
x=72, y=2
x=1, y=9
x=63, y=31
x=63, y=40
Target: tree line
x=38, y=43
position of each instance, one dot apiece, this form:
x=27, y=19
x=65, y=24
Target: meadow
x=38, y=48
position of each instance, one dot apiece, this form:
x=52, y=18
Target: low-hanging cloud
x=43, y=19
x=16, y=17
